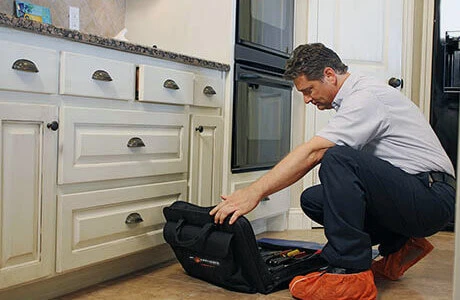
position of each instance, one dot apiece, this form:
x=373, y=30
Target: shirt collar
x=345, y=91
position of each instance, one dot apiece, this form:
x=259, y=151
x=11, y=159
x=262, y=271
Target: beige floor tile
x=431, y=278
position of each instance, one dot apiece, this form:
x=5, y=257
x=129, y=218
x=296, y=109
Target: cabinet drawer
x=91, y=76
x=165, y=85
x=208, y=91
x=35, y=69
x=103, y=144
x=99, y=225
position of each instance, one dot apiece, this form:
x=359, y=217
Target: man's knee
x=311, y=201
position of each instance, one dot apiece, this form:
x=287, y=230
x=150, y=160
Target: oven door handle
x=260, y=78
x=246, y=76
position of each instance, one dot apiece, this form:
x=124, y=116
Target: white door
x=28, y=156
x=366, y=34
x=206, y=150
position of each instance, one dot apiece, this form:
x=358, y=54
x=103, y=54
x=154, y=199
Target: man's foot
x=334, y=283
x=394, y=265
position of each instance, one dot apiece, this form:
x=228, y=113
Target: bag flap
x=192, y=214
x=216, y=243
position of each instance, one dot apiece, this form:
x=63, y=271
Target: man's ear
x=329, y=75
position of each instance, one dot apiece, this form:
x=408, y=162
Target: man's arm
x=293, y=167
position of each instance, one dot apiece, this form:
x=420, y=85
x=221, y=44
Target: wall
x=104, y=18
x=200, y=28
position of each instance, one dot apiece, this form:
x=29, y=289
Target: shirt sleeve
x=360, y=119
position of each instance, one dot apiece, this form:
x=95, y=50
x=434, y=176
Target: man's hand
x=239, y=203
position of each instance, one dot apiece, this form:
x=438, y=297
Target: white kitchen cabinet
x=81, y=200
x=28, y=154
x=206, y=147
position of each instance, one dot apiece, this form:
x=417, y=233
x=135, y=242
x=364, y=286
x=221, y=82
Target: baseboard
x=72, y=281
x=298, y=220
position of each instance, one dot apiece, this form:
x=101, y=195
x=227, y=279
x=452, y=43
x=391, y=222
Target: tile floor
x=431, y=278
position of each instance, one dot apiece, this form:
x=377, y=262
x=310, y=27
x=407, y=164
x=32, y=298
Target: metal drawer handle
x=101, y=75
x=209, y=91
x=25, y=65
x=133, y=218
x=135, y=142
x=200, y=129
x=170, y=84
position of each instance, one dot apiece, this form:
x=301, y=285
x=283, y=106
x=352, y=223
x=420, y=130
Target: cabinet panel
x=22, y=77
x=206, y=160
x=27, y=205
x=272, y=205
x=165, y=85
x=102, y=144
x=92, y=226
x=83, y=75
x=208, y=91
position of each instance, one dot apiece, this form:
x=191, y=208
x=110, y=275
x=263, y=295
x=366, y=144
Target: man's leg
x=359, y=187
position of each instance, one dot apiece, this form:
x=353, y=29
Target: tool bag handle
x=200, y=237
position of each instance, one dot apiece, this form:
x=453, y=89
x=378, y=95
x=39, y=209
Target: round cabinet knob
x=395, y=82
x=53, y=125
x=200, y=129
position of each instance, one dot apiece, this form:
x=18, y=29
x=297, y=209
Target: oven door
x=261, y=134
x=266, y=25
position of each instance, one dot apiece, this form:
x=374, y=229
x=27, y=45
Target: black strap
x=443, y=177
x=202, y=235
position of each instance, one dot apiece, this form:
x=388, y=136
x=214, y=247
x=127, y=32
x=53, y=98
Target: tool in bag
x=229, y=255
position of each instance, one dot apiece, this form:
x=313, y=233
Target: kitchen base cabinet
x=28, y=154
x=205, y=160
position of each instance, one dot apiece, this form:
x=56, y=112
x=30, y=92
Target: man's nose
x=307, y=99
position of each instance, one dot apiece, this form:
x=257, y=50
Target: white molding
x=298, y=220
x=407, y=46
x=426, y=58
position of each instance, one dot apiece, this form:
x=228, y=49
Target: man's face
x=320, y=93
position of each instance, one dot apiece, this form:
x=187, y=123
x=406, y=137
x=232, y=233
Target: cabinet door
x=28, y=155
x=206, y=160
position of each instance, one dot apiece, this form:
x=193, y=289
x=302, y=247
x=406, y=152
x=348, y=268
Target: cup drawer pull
x=25, y=65
x=170, y=84
x=135, y=142
x=134, y=218
x=209, y=90
x=101, y=75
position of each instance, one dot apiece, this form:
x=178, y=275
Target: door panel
x=367, y=35
x=206, y=160
x=28, y=155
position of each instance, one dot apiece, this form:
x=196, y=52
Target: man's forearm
x=293, y=167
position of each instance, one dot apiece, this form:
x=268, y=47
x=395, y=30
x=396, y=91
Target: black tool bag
x=229, y=255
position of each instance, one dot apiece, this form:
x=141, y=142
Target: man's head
x=317, y=72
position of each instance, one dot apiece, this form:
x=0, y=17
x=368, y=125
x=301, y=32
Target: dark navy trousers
x=364, y=201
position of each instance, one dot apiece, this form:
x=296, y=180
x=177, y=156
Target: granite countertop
x=76, y=36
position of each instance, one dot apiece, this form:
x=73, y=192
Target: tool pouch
x=229, y=255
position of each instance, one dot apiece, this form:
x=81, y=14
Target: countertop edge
x=77, y=36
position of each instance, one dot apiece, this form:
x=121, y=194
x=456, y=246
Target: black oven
x=261, y=134
x=266, y=25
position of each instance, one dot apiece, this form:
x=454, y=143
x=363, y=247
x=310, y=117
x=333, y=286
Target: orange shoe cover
x=394, y=265
x=327, y=286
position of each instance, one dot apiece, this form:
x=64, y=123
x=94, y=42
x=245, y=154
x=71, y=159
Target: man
x=385, y=178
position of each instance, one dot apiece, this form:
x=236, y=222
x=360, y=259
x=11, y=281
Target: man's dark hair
x=311, y=60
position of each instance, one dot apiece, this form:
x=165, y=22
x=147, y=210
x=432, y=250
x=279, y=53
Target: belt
x=442, y=177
